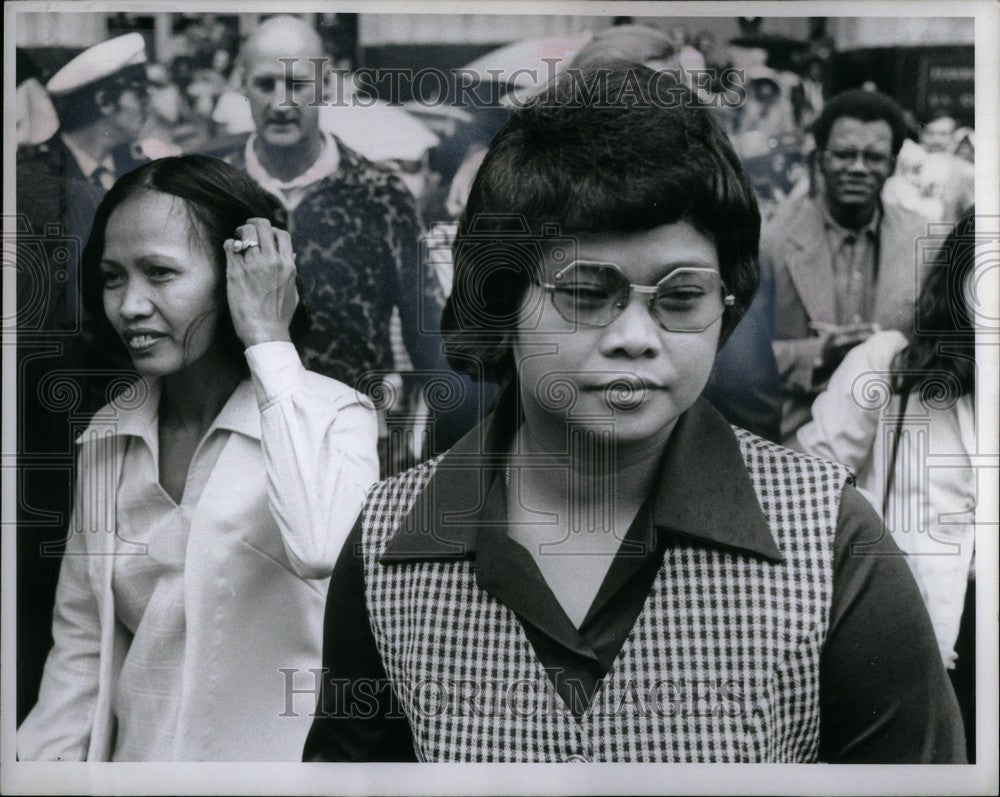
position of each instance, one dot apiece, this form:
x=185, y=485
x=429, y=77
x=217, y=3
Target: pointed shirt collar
x=840, y=232
x=135, y=412
x=702, y=493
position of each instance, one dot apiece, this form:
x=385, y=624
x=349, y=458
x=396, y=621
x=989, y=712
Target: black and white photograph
x=400, y=397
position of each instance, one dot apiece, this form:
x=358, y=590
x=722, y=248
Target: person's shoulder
x=46, y=155
x=357, y=168
x=776, y=460
x=408, y=482
x=132, y=405
x=392, y=498
x=897, y=217
x=787, y=222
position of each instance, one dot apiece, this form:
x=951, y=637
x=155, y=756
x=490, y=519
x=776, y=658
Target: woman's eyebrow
x=667, y=269
x=157, y=260
x=674, y=265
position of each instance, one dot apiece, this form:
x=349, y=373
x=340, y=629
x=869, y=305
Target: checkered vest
x=721, y=665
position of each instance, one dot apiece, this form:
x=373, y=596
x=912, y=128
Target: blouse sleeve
x=58, y=728
x=843, y=428
x=319, y=440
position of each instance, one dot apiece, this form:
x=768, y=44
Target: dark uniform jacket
x=61, y=379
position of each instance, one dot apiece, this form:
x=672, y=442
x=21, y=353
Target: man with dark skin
x=839, y=265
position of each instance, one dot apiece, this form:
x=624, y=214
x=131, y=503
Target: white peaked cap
x=100, y=61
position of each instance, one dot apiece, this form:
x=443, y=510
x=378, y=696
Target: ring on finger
x=242, y=246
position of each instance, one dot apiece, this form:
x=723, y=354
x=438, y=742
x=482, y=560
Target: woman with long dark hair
x=213, y=493
x=900, y=411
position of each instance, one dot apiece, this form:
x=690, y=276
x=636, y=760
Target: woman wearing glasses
x=605, y=570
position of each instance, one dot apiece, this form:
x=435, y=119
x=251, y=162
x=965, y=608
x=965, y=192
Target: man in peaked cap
x=100, y=100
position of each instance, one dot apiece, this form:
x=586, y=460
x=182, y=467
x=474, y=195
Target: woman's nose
x=634, y=333
x=135, y=302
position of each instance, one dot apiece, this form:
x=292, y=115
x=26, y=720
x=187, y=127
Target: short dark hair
x=868, y=106
x=636, y=155
x=218, y=198
x=80, y=108
x=943, y=317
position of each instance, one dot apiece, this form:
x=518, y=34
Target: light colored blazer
x=302, y=453
x=797, y=289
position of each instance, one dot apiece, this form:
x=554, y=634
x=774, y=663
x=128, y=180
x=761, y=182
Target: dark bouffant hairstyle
x=945, y=336
x=868, y=106
x=219, y=198
x=612, y=149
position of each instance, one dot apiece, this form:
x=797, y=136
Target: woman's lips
x=139, y=342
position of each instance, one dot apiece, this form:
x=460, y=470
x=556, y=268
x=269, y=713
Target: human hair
x=616, y=149
x=80, y=108
x=867, y=106
x=218, y=199
x=944, y=340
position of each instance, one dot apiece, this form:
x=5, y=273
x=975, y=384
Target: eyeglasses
x=841, y=158
x=593, y=294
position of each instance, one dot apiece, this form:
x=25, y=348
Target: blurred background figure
x=965, y=144
x=929, y=510
x=837, y=266
x=100, y=99
x=936, y=135
x=353, y=223
x=809, y=94
x=935, y=183
x=36, y=116
x=768, y=111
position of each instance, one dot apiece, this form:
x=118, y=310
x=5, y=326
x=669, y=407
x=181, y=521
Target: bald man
x=353, y=223
x=285, y=99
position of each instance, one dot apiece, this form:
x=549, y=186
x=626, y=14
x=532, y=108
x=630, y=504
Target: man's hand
x=837, y=341
x=260, y=282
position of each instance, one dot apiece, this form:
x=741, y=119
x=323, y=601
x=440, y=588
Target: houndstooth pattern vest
x=722, y=663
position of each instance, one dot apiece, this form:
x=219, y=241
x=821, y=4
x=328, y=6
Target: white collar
x=326, y=164
x=87, y=163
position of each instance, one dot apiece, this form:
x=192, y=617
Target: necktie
x=102, y=178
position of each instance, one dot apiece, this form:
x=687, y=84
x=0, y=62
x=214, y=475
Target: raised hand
x=260, y=282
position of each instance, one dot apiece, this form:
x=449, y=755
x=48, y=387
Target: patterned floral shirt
x=356, y=240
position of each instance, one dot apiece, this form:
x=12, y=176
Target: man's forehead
x=877, y=131
x=267, y=57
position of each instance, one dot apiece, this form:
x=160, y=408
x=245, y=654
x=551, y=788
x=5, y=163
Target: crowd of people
x=331, y=370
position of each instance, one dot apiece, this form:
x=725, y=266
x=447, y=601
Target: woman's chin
x=643, y=423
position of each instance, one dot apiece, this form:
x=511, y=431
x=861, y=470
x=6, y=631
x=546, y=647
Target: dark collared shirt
x=854, y=254
x=883, y=692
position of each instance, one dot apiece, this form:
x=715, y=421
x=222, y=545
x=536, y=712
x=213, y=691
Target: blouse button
x=576, y=758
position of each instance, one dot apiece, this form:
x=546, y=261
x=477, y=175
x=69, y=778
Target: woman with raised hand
x=213, y=494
